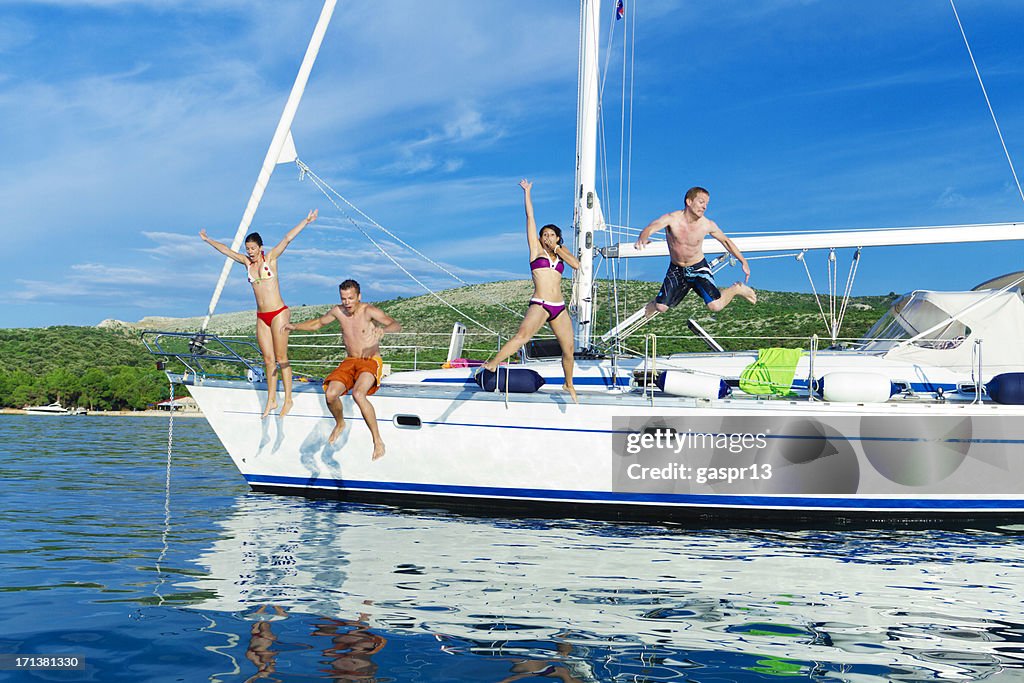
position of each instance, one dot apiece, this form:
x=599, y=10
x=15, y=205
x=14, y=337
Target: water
x=205, y=581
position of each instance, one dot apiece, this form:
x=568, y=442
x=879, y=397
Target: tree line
x=110, y=369
x=90, y=367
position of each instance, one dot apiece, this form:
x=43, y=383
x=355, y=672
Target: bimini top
x=940, y=329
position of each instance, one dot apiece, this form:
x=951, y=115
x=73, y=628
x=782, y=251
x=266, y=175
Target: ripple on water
x=206, y=581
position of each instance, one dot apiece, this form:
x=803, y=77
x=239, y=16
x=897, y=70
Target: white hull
x=920, y=456
x=450, y=443
x=52, y=409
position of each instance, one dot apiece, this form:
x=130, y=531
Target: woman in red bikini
x=271, y=313
x=548, y=257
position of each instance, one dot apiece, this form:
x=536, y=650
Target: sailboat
x=919, y=422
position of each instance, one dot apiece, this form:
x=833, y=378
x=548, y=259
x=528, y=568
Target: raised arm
x=223, y=248
x=731, y=247
x=292, y=234
x=568, y=257
x=531, y=222
x=314, y=324
x=659, y=223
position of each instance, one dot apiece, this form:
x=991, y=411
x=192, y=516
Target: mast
x=282, y=149
x=587, y=208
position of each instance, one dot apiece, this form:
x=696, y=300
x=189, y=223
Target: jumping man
x=362, y=326
x=685, y=231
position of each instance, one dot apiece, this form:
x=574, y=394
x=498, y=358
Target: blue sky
x=128, y=125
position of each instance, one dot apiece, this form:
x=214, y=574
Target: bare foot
x=271, y=404
x=378, y=450
x=747, y=293
x=285, y=407
x=336, y=432
x=572, y=392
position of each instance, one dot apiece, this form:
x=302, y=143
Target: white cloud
x=412, y=163
x=176, y=245
x=951, y=198
x=426, y=115
x=468, y=125
x=435, y=151
x=484, y=247
x=316, y=279
x=114, y=275
x=111, y=285
x=167, y=128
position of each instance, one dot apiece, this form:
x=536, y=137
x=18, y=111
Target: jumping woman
x=547, y=262
x=271, y=313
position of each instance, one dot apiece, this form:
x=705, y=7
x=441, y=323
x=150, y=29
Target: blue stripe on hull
x=798, y=384
x=578, y=381
x=866, y=503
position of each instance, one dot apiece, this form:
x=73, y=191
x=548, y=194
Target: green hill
x=79, y=366
x=107, y=367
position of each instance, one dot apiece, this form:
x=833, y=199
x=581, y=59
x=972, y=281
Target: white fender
x=693, y=385
x=856, y=387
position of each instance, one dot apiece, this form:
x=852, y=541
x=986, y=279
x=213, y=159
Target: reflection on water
x=234, y=586
x=593, y=601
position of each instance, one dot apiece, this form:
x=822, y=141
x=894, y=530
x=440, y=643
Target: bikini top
x=264, y=272
x=544, y=262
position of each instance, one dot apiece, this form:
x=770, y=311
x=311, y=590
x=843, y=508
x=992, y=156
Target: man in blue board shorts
x=685, y=231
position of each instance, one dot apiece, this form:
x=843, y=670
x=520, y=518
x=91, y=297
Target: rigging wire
x=837, y=303
x=850, y=277
x=327, y=191
x=608, y=55
x=984, y=92
x=625, y=141
x=622, y=139
x=833, y=283
x=602, y=160
x=801, y=258
x=622, y=124
x=629, y=147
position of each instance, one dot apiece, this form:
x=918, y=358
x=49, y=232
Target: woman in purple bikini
x=271, y=313
x=547, y=262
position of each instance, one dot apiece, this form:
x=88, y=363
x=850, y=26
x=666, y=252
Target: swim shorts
x=351, y=368
x=681, y=279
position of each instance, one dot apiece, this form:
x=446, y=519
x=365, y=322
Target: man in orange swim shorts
x=362, y=326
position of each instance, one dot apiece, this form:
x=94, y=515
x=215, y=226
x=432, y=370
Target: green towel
x=772, y=372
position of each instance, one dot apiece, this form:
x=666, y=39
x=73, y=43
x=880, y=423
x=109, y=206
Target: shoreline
x=111, y=413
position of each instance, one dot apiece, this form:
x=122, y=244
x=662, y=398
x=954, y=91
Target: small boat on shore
x=54, y=408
